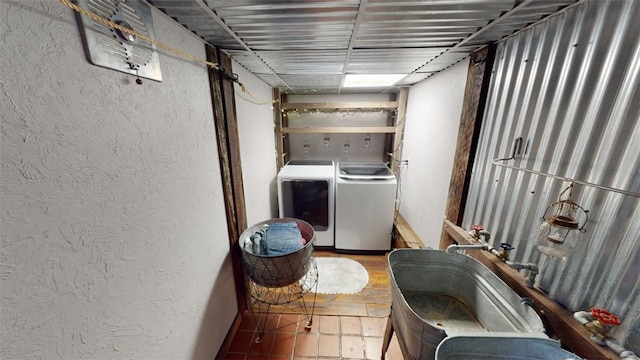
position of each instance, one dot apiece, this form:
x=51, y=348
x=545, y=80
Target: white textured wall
x=433, y=117
x=257, y=146
x=114, y=240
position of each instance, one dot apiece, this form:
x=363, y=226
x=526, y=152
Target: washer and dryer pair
x=350, y=204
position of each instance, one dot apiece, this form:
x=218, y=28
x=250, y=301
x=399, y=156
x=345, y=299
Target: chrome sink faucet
x=477, y=232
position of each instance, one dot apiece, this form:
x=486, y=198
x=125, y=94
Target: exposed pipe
x=563, y=178
x=455, y=247
x=533, y=269
x=530, y=278
x=621, y=351
x=585, y=317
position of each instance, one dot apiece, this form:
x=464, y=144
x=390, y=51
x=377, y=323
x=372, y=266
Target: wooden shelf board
x=368, y=105
x=340, y=130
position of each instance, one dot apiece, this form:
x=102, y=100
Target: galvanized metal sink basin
x=501, y=348
x=437, y=295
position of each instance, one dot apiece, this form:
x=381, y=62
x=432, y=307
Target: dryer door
x=307, y=200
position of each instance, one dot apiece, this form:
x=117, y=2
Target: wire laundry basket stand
x=280, y=279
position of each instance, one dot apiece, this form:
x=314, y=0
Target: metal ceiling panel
x=305, y=62
x=312, y=41
x=390, y=61
x=250, y=61
x=414, y=78
x=312, y=81
x=272, y=79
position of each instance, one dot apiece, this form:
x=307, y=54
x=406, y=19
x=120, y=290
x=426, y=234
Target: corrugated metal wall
x=569, y=86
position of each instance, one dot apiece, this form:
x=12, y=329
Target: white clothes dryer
x=365, y=206
x=306, y=191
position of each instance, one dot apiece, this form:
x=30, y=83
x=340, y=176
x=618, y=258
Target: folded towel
x=282, y=238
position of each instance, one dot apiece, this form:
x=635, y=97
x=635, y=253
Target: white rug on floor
x=340, y=276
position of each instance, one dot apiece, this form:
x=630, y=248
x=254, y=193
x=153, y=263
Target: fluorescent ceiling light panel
x=371, y=80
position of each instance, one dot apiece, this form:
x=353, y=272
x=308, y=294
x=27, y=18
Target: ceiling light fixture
x=371, y=80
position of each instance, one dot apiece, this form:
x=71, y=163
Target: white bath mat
x=340, y=276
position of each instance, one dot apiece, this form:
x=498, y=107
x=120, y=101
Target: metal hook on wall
x=517, y=150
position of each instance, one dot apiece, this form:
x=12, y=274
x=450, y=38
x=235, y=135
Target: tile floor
x=330, y=337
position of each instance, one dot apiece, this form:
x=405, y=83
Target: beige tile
x=350, y=325
x=306, y=344
x=372, y=347
x=373, y=326
x=352, y=347
x=329, y=346
x=330, y=325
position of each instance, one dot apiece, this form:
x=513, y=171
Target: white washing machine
x=365, y=204
x=306, y=191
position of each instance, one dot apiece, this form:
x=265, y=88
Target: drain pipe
x=598, y=328
x=530, y=279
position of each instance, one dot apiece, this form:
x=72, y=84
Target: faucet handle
x=475, y=231
x=605, y=316
x=504, y=253
x=506, y=246
x=601, y=324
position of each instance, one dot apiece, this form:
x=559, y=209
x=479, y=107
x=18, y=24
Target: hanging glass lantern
x=560, y=230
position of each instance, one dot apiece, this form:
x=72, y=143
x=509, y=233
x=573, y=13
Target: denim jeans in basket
x=282, y=238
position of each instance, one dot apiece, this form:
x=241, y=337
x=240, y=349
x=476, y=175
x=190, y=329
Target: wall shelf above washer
x=355, y=106
x=340, y=130
x=394, y=111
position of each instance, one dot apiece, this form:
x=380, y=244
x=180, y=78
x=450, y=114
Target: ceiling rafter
x=356, y=26
x=222, y=24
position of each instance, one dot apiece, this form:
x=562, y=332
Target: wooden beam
x=556, y=318
x=399, y=125
x=233, y=139
x=475, y=95
x=355, y=106
x=286, y=144
x=405, y=236
x=340, y=130
x=388, y=138
x=277, y=118
x=228, y=340
x=224, y=116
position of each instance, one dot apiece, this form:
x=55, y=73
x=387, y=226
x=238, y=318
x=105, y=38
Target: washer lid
x=364, y=171
x=311, y=162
